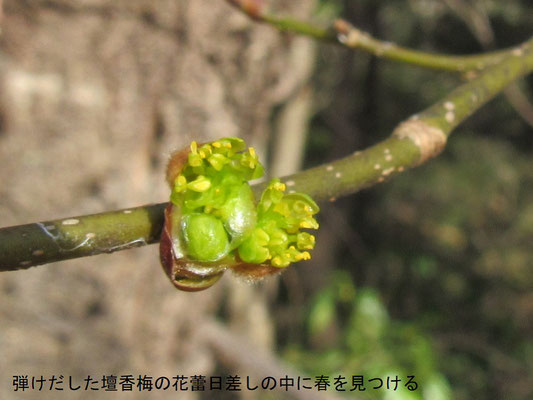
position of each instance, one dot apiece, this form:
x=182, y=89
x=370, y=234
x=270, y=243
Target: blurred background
x=429, y=274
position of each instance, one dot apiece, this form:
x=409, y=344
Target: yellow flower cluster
x=276, y=237
x=220, y=217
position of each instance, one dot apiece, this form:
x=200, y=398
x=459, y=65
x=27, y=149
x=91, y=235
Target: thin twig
x=347, y=35
x=357, y=39
x=521, y=104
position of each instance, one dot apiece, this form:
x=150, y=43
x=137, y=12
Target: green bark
x=24, y=246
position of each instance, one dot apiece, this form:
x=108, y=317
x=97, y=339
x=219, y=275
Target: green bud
x=305, y=241
x=195, y=160
x=218, y=161
x=238, y=213
x=205, y=237
x=200, y=184
x=253, y=250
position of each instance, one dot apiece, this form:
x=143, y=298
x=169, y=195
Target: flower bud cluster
x=218, y=219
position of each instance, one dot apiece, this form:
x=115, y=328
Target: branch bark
x=479, y=24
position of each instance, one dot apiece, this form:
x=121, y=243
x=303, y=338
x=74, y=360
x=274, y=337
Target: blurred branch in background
x=235, y=351
x=475, y=19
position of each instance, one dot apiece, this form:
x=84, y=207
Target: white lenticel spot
x=127, y=211
x=449, y=106
x=338, y=175
x=72, y=221
x=342, y=38
x=388, y=157
x=90, y=235
x=450, y=116
x=289, y=183
x=377, y=166
x=37, y=252
x=25, y=263
x=329, y=168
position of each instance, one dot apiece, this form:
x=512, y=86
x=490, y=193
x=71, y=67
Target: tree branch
x=412, y=143
x=24, y=246
x=357, y=39
x=349, y=36
x=479, y=24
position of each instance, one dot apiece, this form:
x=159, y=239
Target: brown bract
x=254, y=272
x=185, y=274
x=177, y=161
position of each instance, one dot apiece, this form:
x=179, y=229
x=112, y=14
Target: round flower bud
x=205, y=237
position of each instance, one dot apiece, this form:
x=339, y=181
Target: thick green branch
x=24, y=246
x=347, y=35
x=413, y=142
